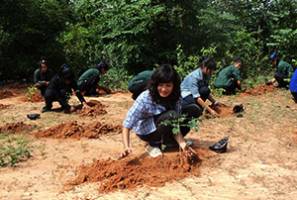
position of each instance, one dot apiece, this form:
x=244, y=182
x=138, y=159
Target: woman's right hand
x=126, y=152
x=214, y=113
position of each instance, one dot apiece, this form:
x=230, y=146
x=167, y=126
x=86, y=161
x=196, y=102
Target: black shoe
x=220, y=146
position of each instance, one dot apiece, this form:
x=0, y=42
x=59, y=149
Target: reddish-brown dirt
x=2, y=106
x=96, y=108
x=258, y=90
x=75, y=130
x=15, y=127
x=224, y=110
x=6, y=94
x=144, y=170
x=36, y=97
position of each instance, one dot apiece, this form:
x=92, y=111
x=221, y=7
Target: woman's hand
x=85, y=104
x=126, y=152
x=213, y=113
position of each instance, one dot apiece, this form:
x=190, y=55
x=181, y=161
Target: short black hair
x=165, y=74
x=209, y=63
x=102, y=65
x=237, y=59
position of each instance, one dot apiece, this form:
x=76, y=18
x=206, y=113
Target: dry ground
x=261, y=162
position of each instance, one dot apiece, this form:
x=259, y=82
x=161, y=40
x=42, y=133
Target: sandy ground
x=261, y=162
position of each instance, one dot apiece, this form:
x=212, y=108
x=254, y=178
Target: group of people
x=59, y=86
x=159, y=96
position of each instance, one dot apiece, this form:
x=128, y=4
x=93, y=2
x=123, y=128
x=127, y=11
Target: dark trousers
x=89, y=87
x=164, y=134
x=231, y=87
x=54, y=95
x=190, y=105
x=280, y=79
x=42, y=90
x=294, y=94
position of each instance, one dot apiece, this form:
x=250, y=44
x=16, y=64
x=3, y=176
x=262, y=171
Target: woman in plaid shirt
x=152, y=107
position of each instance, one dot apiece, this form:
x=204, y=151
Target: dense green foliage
x=134, y=35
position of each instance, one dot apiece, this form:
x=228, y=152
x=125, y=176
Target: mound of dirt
x=258, y=90
x=96, y=108
x=2, y=106
x=15, y=127
x=6, y=94
x=143, y=170
x=75, y=130
x=224, y=110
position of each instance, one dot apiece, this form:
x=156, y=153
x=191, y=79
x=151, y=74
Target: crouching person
x=229, y=78
x=152, y=107
x=60, y=88
x=283, y=71
x=195, y=90
x=139, y=83
x=42, y=76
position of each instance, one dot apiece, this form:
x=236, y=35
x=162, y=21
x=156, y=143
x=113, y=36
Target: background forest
x=134, y=35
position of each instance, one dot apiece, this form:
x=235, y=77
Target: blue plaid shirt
x=140, y=116
x=192, y=83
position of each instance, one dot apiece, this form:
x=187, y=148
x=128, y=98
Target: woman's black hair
x=209, y=63
x=65, y=72
x=165, y=74
x=42, y=60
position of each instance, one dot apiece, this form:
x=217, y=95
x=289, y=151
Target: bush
x=13, y=149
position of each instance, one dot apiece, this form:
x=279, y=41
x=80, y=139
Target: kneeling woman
x=161, y=102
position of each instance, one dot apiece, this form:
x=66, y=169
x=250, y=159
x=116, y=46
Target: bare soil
x=76, y=130
x=131, y=173
x=96, y=108
x=15, y=127
x=2, y=106
x=259, y=90
x=6, y=94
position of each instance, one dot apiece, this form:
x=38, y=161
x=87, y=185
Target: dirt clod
x=258, y=90
x=2, y=106
x=131, y=173
x=223, y=110
x=75, y=130
x=6, y=94
x=15, y=127
x=96, y=108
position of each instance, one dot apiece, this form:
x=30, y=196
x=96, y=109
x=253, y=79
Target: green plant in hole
x=30, y=92
x=181, y=121
x=13, y=149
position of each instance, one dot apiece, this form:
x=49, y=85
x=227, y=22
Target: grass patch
x=13, y=149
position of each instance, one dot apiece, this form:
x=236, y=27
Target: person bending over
x=283, y=71
x=88, y=81
x=159, y=103
x=195, y=90
x=139, y=83
x=60, y=88
x=229, y=78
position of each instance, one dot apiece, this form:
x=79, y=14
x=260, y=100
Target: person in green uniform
x=42, y=76
x=229, y=77
x=88, y=81
x=283, y=71
x=139, y=83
